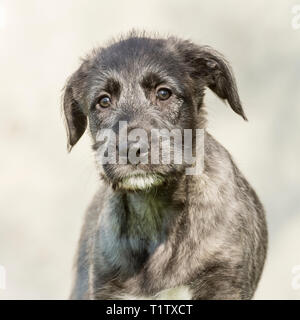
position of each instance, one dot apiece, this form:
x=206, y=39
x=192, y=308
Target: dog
x=152, y=231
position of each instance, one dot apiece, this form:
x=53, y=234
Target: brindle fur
x=208, y=232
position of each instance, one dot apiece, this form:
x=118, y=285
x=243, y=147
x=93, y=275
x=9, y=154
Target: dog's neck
x=148, y=215
x=144, y=214
x=136, y=223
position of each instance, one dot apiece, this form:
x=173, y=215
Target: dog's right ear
x=75, y=118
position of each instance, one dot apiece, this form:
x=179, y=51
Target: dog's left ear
x=75, y=119
x=212, y=68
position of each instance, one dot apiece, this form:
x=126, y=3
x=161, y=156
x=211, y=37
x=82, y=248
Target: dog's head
x=136, y=85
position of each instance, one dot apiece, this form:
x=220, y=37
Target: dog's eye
x=104, y=102
x=163, y=94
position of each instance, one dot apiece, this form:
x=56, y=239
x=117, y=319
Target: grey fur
x=208, y=232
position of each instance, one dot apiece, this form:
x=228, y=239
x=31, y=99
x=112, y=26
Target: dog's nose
x=137, y=148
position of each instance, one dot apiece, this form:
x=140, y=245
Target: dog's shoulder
x=82, y=258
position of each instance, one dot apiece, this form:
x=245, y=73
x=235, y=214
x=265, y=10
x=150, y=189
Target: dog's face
x=143, y=85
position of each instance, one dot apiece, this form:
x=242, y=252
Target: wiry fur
x=204, y=235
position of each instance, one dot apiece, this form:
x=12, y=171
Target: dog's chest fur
x=145, y=216
x=135, y=244
x=177, y=293
x=134, y=226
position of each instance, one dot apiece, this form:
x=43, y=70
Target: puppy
x=153, y=231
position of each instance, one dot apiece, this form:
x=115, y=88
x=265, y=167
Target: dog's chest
x=176, y=293
x=138, y=243
x=147, y=217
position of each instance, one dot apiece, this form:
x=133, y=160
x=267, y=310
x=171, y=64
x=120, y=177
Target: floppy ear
x=209, y=65
x=75, y=119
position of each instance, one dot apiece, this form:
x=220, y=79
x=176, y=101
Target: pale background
x=44, y=191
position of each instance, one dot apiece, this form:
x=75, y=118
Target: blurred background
x=44, y=191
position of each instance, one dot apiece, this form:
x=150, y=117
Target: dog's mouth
x=140, y=181
x=139, y=177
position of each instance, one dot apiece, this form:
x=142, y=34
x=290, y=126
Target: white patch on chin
x=140, y=182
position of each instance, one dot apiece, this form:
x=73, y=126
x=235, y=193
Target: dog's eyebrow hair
x=112, y=86
x=152, y=79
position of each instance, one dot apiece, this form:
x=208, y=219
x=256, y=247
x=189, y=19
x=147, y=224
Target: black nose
x=138, y=148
